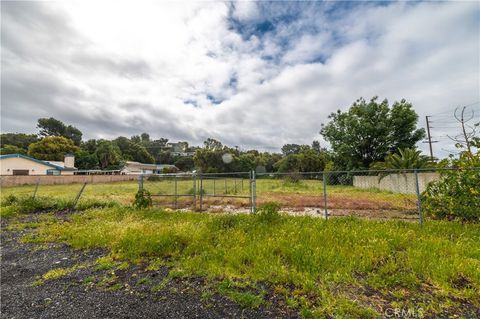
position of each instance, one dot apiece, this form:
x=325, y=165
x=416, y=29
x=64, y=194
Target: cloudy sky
x=252, y=74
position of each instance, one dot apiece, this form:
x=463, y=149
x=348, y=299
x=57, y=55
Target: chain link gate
x=199, y=191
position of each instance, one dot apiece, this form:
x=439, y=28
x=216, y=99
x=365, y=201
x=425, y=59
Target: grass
x=57, y=273
x=340, y=267
x=305, y=192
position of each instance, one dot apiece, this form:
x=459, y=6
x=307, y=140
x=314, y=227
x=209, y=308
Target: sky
x=251, y=74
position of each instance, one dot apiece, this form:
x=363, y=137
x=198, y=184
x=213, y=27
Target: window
x=20, y=172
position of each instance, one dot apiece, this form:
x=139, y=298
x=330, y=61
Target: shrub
x=268, y=212
x=9, y=200
x=143, y=199
x=455, y=196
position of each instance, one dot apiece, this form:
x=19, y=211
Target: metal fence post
x=250, y=191
x=225, y=192
x=36, y=189
x=214, y=185
x=140, y=183
x=254, y=192
x=176, y=192
x=201, y=192
x=78, y=195
x=325, y=195
x=194, y=191
x=419, y=203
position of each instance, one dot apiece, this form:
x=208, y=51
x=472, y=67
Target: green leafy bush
x=143, y=199
x=457, y=194
x=9, y=200
x=268, y=212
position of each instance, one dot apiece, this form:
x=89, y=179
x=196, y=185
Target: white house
x=18, y=164
x=142, y=168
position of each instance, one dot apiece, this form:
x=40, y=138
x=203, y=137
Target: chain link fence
x=381, y=194
x=377, y=194
x=201, y=191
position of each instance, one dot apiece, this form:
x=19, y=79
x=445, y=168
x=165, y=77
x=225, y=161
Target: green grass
x=267, y=190
x=324, y=268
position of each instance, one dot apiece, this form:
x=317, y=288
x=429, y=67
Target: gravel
x=79, y=294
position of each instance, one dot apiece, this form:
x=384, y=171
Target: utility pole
x=429, y=137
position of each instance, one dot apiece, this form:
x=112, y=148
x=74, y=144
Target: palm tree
x=406, y=159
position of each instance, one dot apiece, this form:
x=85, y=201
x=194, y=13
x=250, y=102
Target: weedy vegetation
x=343, y=267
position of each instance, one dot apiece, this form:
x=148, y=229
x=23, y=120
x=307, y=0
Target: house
x=19, y=164
x=142, y=168
x=180, y=149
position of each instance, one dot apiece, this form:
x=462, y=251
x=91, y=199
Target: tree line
x=370, y=134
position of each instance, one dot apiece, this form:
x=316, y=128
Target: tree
x=289, y=149
x=405, y=159
x=52, y=148
x=307, y=160
x=136, y=139
x=108, y=155
x=20, y=140
x=131, y=151
x=165, y=157
x=11, y=149
x=145, y=138
x=53, y=127
x=156, y=146
x=368, y=131
x=90, y=146
x=316, y=147
x=86, y=160
x=50, y=127
x=185, y=163
x=213, y=144
x=74, y=134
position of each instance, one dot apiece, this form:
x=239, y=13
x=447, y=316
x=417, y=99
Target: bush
x=268, y=212
x=9, y=200
x=455, y=196
x=143, y=199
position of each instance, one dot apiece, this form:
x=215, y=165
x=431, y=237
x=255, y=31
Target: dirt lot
x=403, y=208
x=92, y=293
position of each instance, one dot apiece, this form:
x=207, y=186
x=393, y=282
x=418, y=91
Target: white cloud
x=114, y=68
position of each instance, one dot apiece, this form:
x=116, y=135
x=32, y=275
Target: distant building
x=180, y=149
x=142, y=168
x=18, y=164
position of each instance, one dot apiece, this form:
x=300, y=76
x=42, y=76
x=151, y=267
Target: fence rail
x=381, y=194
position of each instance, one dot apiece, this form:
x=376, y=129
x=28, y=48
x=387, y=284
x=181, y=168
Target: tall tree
x=53, y=127
x=145, y=138
x=52, y=148
x=74, y=134
x=368, y=131
x=131, y=151
x=288, y=149
x=213, y=144
x=50, y=127
x=108, y=155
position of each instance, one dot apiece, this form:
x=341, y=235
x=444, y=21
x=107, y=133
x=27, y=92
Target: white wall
x=7, y=165
x=397, y=183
